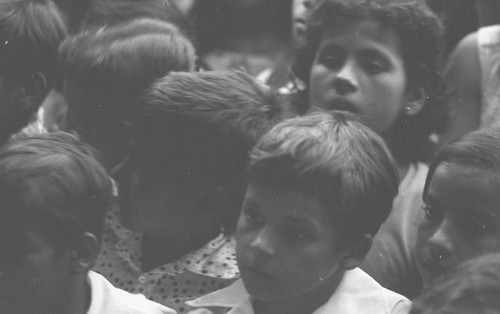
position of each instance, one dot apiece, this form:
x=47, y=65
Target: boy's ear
x=84, y=252
x=356, y=252
x=32, y=92
x=415, y=101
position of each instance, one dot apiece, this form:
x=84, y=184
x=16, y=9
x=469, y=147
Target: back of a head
x=479, y=149
x=53, y=183
x=420, y=37
x=113, y=12
x=473, y=287
x=105, y=70
x=119, y=61
x=205, y=122
x=342, y=163
x=30, y=32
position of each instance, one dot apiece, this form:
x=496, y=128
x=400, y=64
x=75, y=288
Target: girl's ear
x=84, y=252
x=415, y=101
x=356, y=252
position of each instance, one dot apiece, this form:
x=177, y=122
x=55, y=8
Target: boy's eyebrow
x=301, y=219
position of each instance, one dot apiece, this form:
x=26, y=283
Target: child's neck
x=304, y=304
x=76, y=300
x=402, y=165
x=160, y=250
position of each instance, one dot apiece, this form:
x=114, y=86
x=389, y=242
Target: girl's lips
x=341, y=104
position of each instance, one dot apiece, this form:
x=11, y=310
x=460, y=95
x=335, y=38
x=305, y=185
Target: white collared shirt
x=357, y=293
x=106, y=299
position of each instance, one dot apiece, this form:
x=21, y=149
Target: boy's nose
x=345, y=81
x=263, y=243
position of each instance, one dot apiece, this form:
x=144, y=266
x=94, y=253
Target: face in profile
x=34, y=274
x=287, y=244
x=359, y=71
x=154, y=199
x=462, y=219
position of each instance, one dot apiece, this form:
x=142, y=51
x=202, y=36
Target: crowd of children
x=336, y=171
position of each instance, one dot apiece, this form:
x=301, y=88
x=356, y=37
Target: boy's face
x=359, y=70
x=462, y=221
x=153, y=201
x=286, y=244
x=299, y=15
x=34, y=274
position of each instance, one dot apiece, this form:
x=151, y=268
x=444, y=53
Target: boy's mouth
x=257, y=273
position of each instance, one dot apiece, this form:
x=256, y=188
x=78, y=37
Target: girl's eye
x=296, y=234
x=375, y=67
x=332, y=61
x=432, y=214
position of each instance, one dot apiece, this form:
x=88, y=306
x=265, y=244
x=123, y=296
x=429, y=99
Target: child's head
x=376, y=60
x=113, y=12
x=54, y=197
x=300, y=9
x=191, y=136
x=105, y=70
x=461, y=197
x=319, y=188
x=473, y=287
x=30, y=32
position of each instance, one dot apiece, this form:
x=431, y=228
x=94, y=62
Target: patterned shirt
x=210, y=268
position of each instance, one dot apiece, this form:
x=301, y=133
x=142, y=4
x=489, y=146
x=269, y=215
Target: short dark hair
x=113, y=12
x=340, y=162
x=205, y=122
x=473, y=287
x=53, y=183
x=421, y=37
x=30, y=32
x=479, y=149
x=111, y=66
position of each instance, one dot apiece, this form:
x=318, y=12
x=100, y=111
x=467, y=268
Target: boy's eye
x=252, y=216
x=432, y=213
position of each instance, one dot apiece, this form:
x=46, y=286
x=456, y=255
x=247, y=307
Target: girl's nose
x=346, y=79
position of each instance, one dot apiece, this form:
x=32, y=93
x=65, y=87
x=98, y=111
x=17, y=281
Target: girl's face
x=359, y=70
x=286, y=244
x=462, y=219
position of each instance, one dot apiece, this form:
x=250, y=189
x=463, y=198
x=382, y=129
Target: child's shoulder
x=359, y=293
x=105, y=298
